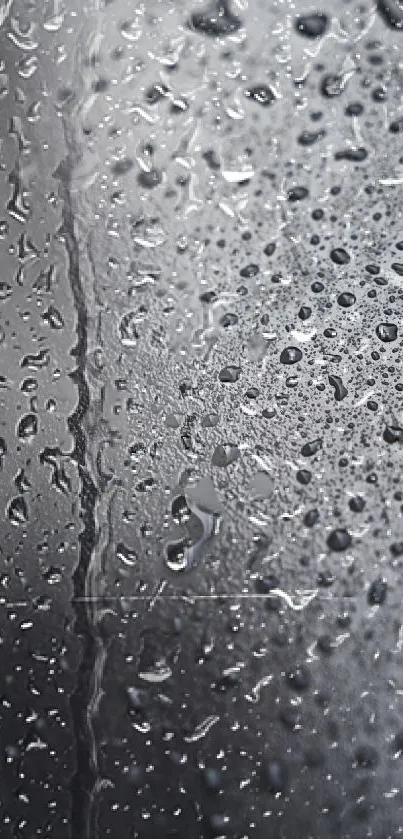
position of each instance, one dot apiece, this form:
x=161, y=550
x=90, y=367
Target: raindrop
x=150, y=179
x=212, y=779
x=366, y=757
x=299, y=679
x=354, y=155
x=262, y=94
x=377, y=592
x=354, y=109
x=224, y=455
x=17, y=511
x=156, y=92
x=290, y=355
x=229, y=319
x=304, y=476
x=392, y=12
x=229, y=374
x=122, y=167
x=313, y=25
x=180, y=510
x=28, y=426
x=346, y=299
x=3, y=450
x=52, y=576
x=53, y=317
x=216, y=21
x=339, y=540
x=339, y=256
x=312, y=448
x=275, y=776
x=396, y=126
x=128, y=330
x=260, y=486
x=125, y=555
x=249, y=271
x=386, y=332
x=36, y=362
x=332, y=85
x=340, y=391
x=357, y=504
x=298, y=193
x=393, y=434
x=5, y=291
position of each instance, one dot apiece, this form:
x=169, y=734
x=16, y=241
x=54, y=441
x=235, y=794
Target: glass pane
x=201, y=442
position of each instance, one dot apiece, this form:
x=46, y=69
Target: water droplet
x=339, y=256
x=366, y=757
x=340, y=391
x=305, y=312
x=339, y=540
x=213, y=779
x=298, y=193
x=216, y=21
x=125, y=555
x=123, y=166
x=312, y=25
x=346, y=299
x=150, y=179
x=53, y=317
x=332, y=85
x=290, y=355
x=156, y=92
x=357, y=504
x=275, y=776
x=393, y=434
x=28, y=426
x=262, y=94
x=17, y=511
x=203, y=523
x=229, y=374
x=53, y=576
x=5, y=291
x=396, y=126
x=261, y=486
x=354, y=155
x=128, y=330
x=377, y=592
x=249, y=271
x=229, y=319
x=312, y=448
x=36, y=362
x=392, y=13
x=224, y=455
x=386, y=332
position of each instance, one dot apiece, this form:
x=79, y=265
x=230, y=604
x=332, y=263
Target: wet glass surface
x=201, y=428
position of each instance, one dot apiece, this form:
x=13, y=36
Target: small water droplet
x=17, y=511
